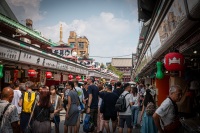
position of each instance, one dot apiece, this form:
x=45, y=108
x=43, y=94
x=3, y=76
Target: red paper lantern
x=48, y=75
x=174, y=61
x=31, y=73
x=70, y=77
x=78, y=77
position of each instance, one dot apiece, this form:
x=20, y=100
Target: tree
x=117, y=72
x=102, y=65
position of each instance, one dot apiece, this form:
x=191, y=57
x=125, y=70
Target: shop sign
x=31, y=59
x=49, y=63
x=42, y=77
x=8, y=53
x=78, y=70
x=62, y=66
x=56, y=77
x=71, y=68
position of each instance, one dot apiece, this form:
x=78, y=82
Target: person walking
x=81, y=97
x=9, y=114
x=85, y=100
x=41, y=113
x=72, y=111
x=17, y=96
x=100, y=123
x=118, y=90
x=109, y=100
x=126, y=116
x=27, y=101
x=148, y=125
x=166, y=115
x=93, y=92
x=56, y=101
x=136, y=105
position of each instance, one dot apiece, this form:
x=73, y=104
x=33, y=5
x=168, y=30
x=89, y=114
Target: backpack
x=150, y=109
x=88, y=125
x=120, y=105
x=28, y=101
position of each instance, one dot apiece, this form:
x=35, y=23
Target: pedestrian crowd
x=25, y=107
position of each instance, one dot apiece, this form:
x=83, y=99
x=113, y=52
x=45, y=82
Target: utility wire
x=110, y=56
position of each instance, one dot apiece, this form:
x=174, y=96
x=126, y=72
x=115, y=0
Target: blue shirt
x=93, y=89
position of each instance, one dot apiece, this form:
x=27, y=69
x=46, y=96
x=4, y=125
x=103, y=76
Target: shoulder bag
x=4, y=112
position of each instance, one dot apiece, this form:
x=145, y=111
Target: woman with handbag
x=72, y=111
x=56, y=101
x=41, y=114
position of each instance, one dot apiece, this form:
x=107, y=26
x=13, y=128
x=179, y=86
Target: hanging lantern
x=48, y=75
x=70, y=77
x=174, y=61
x=1, y=71
x=15, y=75
x=78, y=77
x=159, y=73
x=31, y=73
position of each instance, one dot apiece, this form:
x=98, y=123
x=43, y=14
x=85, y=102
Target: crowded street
x=100, y=66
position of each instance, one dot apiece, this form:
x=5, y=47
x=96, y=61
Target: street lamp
x=74, y=54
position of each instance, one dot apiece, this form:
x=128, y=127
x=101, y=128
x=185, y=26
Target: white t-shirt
x=16, y=98
x=129, y=99
x=166, y=112
x=100, y=101
x=136, y=100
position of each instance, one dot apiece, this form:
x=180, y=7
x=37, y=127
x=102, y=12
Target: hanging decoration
x=137, y=79
x=70, y=77
x=15, y=74
x=159, y=73
x=31, y=72
x=174, y=61
x=1, y=71
x=82, y=77
x=78, y=77
x=48, y=75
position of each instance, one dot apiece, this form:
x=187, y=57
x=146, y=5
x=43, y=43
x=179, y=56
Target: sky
x=111, y=26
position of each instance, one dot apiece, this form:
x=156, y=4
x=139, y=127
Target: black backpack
x=120, y=105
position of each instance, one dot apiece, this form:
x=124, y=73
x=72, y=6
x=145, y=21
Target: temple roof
x=121, y=62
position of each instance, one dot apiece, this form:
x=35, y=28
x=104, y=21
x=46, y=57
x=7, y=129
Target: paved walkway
x=62, y=118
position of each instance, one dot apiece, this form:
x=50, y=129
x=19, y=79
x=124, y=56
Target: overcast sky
x=111, y=26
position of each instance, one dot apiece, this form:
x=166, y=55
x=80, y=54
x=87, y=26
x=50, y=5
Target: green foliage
x=117, y=72
x=102, y=65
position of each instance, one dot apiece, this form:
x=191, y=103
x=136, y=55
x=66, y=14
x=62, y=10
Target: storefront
x=173, y=29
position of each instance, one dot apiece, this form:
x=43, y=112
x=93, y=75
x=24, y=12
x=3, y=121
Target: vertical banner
x=7, y=77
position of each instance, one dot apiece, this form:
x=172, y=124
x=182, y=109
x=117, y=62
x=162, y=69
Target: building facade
x=81, y=44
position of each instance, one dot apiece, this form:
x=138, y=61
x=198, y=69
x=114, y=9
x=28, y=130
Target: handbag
x=55, y=106
x=88, y=125
x=173, y=127
x=80, y=103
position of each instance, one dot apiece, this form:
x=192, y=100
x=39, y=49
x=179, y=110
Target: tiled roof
x=121, y=62
x=15, y=24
